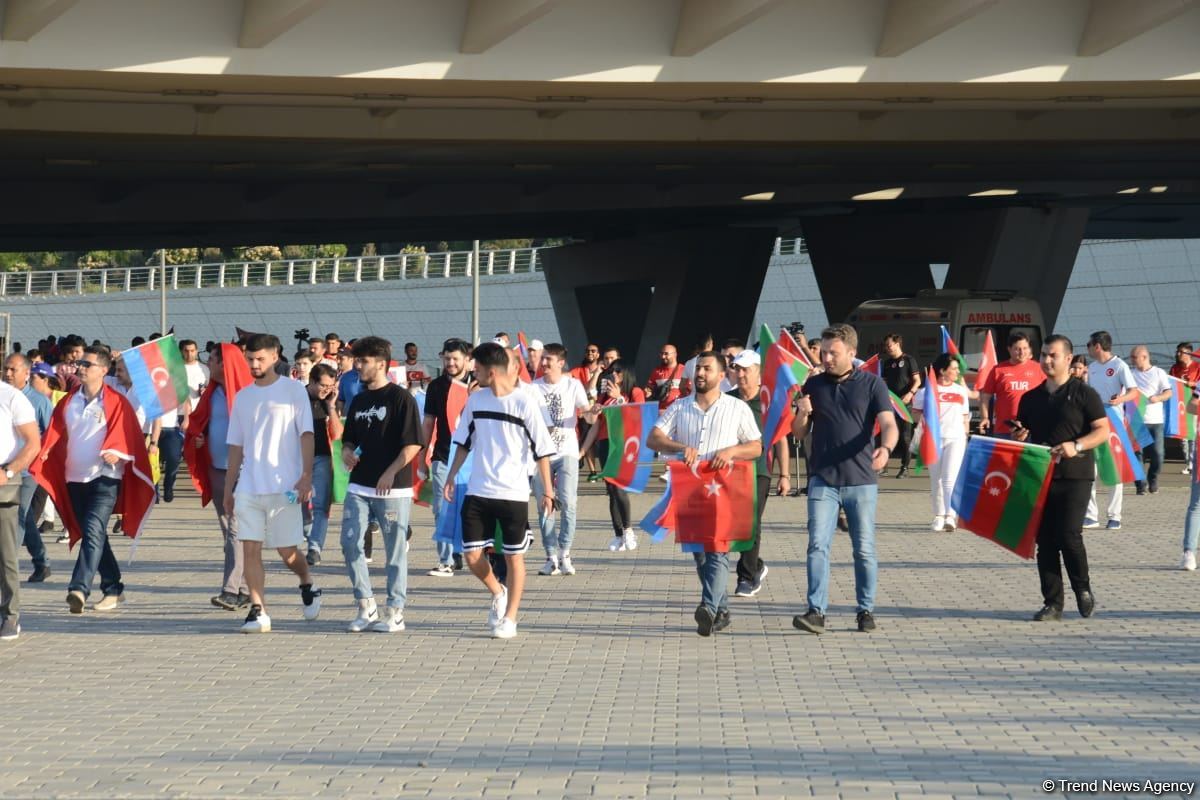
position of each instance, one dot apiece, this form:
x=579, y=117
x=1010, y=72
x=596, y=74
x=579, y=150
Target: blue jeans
x=170, y=447
x=564, y=472
x=1155, y=451
x=437, y=475
x=823, y=502
x=93, y=504
x=28, y=522
x=322, y=482
x=713, y=569
x=1191, y=522
x=391, y=514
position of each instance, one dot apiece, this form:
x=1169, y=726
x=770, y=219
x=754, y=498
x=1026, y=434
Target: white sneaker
x=567, y=567
x=631, y=542
x=1188, y=561
x=507, y=629
x=310, y=601
x=392, y=621
x=550, y=567
x=938, y=523
x=368, y=613
x=499, y=607
x=617, y=544
x=257, y=621
x=442, y=571
x=951, y=524
x=1186, y=470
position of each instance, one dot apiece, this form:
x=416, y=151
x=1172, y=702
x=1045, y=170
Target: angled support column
x=705, y=22
x=490, y=22
x=263, y=21
x=913, y=22
x=1113, y=22
x=24, y=19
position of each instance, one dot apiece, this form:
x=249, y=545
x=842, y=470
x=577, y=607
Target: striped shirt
x=727, y=422
x=504, y=435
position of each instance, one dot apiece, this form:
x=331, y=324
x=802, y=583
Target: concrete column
x=639, y=293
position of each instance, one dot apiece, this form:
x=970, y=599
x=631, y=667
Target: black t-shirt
x=898, y=372
x=320, y=423
x=1063, y=416
x=843, y=421
x=435, y=405
x=381, y=422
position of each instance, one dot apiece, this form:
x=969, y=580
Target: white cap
x=536, y=344
x=746, y=358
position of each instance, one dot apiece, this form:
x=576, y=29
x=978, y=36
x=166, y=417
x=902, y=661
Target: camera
x=301, y=335
x=796, y=329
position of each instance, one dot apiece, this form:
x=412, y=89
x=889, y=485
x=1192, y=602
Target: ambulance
x=968, y=315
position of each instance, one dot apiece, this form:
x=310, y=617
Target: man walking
x=1155, y=385
x=1113, y=381
x=665, y=379
x=444, y=401
x=903, y=378
x=1186, y=369
x=708, y=425
x=197, y=373
x=381, y=438
x=563, y=399
x=19, y=445
x=1008, y=383
x=33, y=497
x=841, y=405
x=94, y=462
x=271, y=454
x=1068, y=415
x=503, y=429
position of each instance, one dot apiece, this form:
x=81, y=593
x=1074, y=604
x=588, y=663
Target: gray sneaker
x=9, y=629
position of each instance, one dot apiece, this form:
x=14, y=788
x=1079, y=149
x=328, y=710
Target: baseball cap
x=746, y=358
x=536, y=344
x=43, y=369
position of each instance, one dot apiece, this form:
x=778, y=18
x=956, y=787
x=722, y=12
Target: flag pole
x=474, y=293
x=162, y=285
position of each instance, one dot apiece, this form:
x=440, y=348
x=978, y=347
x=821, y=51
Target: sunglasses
x=85, y=364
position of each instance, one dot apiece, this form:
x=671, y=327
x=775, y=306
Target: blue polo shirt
x=843, y=426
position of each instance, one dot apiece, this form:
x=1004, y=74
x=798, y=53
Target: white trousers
x=1115, y=498
x=944, y=473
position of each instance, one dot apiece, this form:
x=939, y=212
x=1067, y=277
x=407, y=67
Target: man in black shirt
x=444, y=401
x=903, y=378
x=380, y=441
x=1068, y=415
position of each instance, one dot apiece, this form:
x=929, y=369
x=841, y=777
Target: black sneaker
x=458, y=562
x=1087, y=603
x=225, y=600
x=866, y=622
x=1154, y=486
x=313, y=558
x=243, y=600
x=744, y=589
x=168, y=495
x=812, y=621
x=39, y=574
x=903, y=471
x=704, y=620
x=1140, y=486
x=1048, y=614
x=721, y=622
x=46, y=527
x=118, y=526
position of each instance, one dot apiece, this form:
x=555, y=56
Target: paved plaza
x=608, y=692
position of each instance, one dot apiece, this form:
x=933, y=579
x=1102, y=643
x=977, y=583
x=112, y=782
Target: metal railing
x=288, y=272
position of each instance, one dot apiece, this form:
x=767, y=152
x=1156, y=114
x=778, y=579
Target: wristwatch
x=1078, y=447
x=8, y=473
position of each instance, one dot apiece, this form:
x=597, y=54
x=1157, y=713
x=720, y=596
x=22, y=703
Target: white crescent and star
x=1114, y=442
x=632, y=455
x=165, y=380
x=713, y=489
x=995, y=491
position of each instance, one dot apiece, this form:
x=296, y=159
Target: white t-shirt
x=1111, y=378
x=87, y=426
x=197, y=376
x=398, y=375
x=1151, y=382
x=954, y=407
x=267, y=423
x=561, y=403
x=15, y=409
x=504, y=434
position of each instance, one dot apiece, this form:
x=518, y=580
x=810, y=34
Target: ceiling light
x=761, y=196
x=1130, y=190
x=993, y=193
x=1158, y=189
x=882, y=194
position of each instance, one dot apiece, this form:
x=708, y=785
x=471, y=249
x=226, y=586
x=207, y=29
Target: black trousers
x=904, y=446
x=749, y=565
x=1061, y=534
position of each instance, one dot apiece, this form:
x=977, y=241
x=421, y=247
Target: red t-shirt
x=1009, y=382
x=665, y=383
x=1190, y=373
x=636, y=396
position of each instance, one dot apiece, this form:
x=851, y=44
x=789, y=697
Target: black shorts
x=480, y=517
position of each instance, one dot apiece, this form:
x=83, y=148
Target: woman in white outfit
x=955, y=419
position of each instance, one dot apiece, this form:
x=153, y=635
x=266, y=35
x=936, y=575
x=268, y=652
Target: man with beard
x=444, y=402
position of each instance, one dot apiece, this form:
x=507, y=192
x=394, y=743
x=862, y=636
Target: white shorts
x=268, y=518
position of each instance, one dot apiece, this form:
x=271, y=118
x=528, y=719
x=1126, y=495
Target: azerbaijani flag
x=1135, y=421
x=765, y=340
x=158, y=374
x=948, y=346
x=931, y=422
x=658, y=521
x=1179, y=423
x=1001, y=490
x=899, y=407
x=1115, y=459
x=987, y=363
x=779, y=381
x=628, y=423
x=713, y=509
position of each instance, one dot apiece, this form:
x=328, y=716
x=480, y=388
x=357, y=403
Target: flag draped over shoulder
x=1001, y=491
x=122, y=437
x=158, y=374
x=449, y=522
x=237, y=376
x=630, y=424
x=713, y=509
x=1178, y=423
x=1115, y=459
x=987, y=363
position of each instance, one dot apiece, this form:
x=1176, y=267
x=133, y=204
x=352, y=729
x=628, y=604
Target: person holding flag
x=618, y=386
x=720, y=429
x=903, y=378
x=94, y=462
x=1186, y=369
x=747, y=370
x=1113, y=381
x=841, y=406
x=444, y=401
x=207, y=454
x=1155, y=385
x=947, y=400
x=1068, y=415
x=1007, y=383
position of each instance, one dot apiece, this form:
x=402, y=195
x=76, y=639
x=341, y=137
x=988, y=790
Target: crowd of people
x=264, y=436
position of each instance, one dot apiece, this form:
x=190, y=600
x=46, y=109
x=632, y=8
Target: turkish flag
x=237, y=375
x=713, y=508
